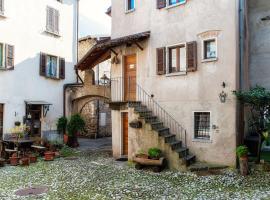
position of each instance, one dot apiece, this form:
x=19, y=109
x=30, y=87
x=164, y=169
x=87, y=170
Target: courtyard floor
x=95, y=175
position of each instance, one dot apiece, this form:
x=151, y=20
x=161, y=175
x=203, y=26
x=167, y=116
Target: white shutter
x=56, y=21
x=1, y=6
x=49, y=23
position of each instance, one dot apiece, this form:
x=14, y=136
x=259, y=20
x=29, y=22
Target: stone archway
x=97, y=115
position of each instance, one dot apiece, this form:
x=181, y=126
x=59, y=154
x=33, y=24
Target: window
x=6, y=56
x=175, y=2
x=52, y=66
x=1, y=7
x=210, y=49
x=202, y=125
x=177, y=59
x=52, y=22
x=130, y=5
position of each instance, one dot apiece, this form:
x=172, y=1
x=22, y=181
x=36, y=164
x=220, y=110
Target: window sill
x=175, y=5
x=52, y=33
x=209, y=60
x=6, y=69
x=176, y=74
x=130, y=11
x=202, y=140
x=52, y=78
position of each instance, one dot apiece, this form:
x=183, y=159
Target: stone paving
x=95, y=175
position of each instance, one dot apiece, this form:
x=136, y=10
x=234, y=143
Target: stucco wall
x=196, y=91
x=259, y=50
x=24, y=27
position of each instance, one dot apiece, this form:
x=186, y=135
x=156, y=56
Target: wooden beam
x=114, y=52
x=139, y=46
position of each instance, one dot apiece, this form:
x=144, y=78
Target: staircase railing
x=128, y=90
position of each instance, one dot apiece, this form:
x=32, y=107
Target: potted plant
x=62, y=127
x=25, y=161
x=33, y=157
x=75, y=125
x=141, y=154
x=154, y=153
x=14, y=159
x=242, y=153
x=49, y=156
x=266, y=142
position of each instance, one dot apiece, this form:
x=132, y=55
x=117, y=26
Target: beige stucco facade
x=182, y=95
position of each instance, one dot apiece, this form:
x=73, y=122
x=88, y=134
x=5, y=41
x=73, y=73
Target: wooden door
x=35, y=123
x=1, y=119
x=130, y=78
x=125, y=133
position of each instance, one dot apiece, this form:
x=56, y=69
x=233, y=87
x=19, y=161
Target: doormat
x=32, y=191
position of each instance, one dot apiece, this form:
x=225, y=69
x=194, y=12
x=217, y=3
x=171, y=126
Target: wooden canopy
x=102, y=50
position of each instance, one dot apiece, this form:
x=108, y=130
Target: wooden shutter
x=62, y=66
x=50, y=19
x=42, y=66
x=191, y=56
x=9, y=57
x=161, y=61
x=56, y=21
x=161, y=4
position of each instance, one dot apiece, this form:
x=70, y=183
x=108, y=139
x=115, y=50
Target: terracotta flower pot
x=33, y=159
x=24, y=162
x=14, y=161
x=243, y=161
x=142, y=156
x=65, y=138
x=49, y=156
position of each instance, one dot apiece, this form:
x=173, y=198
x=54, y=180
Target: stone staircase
x=176, y=146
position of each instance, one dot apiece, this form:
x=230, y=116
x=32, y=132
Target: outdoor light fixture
x=104, y=80
x=46, y=108
x=222, y=97
x=29, y=116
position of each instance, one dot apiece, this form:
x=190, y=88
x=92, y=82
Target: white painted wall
x=23, y=26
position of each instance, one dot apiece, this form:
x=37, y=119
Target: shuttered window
x=52, y=66
x=2, y=7
x=52, y=22
x=191, y=56
x=1, y=55
x=6, y=56
x=177, y=59
x=161, y=61
x=130, y=5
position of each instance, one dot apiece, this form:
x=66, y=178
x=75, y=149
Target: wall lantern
x=104, y=80
x=223, y=97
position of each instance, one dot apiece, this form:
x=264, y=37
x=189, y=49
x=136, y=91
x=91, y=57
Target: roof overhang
x=102, y=50
x=37, y=103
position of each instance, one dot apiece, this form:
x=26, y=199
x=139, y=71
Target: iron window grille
x=202, y=125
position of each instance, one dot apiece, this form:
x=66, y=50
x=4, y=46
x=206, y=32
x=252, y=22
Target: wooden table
x=19, y=143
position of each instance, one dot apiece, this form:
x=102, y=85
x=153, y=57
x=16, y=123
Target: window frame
x=57, y=66
x=127, y=10
x=168, y=5
x=2, y=11
x=2, y=66
x=168, y=48
x=203, y=139
x=204, y=59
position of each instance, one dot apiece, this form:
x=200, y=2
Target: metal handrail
x=118, y=94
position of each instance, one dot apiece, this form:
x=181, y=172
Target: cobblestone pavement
x=95, y=175
x=98, y=144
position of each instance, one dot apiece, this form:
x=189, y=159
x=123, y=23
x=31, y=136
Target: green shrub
x=242, y=151
x=66, y=151
x=75, y=124
x=62, y=124
x=154, y=153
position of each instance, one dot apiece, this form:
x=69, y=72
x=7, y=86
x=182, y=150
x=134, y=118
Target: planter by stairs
x=177, y=146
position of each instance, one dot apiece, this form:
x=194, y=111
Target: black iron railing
x=128, y=90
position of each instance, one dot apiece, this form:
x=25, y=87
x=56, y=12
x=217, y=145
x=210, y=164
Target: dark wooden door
x=35, y=123
x=1, y=119
x=125, y=133
x=130, y=78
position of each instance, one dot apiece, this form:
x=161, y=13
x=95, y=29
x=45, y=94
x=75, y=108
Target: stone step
x=169, y=138
x=175, y=145
x=183, y=152
x=163, y=131
x=189, y=160
x=144, y=113
x=156, y=125
x=134, y=103
x=151, y=119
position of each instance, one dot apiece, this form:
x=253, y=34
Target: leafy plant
x=62, y=124
x=242, y=151
x=266, y=138
x=154, y=153
x=66, y=151
x=257, y=100
x=75, y=124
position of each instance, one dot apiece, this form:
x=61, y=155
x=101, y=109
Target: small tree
x=62, y=124
x=75, y=125
x=258, y=100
